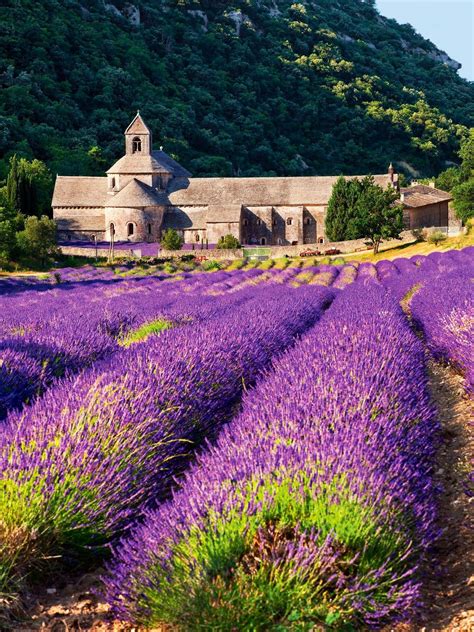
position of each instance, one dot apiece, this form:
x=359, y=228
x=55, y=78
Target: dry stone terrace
x=146, y=192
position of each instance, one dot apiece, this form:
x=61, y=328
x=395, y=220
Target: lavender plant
x=81, y=463
x=317, y=502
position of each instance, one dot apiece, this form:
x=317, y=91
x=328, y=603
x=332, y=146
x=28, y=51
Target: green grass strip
x=141, y=334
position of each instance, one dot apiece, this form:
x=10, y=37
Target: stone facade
x=146, y=192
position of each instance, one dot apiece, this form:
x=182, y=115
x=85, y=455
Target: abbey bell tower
x=138, y=138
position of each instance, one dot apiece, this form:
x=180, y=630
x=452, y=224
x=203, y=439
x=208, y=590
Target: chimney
x=391, y=172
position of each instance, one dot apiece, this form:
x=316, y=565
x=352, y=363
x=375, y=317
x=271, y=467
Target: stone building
x=425, y=206
x=146, y=192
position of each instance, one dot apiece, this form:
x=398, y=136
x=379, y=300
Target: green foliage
x=378, y=217
x=341, y=209
x=208, y=266
x=223, y=576
x=358, y=208
x=29, y=187
x=436, y=237
x=145, y=331
x=460, y=180
x=228, y=242
x=38, y=239
x=464, y=200
x=263, y=102
x=171, y=240
x=7, y=241
x=447, y=180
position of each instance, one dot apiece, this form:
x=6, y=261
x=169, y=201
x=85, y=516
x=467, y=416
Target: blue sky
x=447, y=23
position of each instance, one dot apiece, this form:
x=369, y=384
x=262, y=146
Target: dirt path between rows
x=449, y=587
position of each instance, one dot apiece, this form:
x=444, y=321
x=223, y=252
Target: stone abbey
x=146, y=192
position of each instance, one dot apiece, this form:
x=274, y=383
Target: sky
x=449, y=24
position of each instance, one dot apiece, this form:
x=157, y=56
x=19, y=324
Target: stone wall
x=346, y=247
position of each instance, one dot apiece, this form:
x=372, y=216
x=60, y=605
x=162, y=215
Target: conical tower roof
x=135, y=194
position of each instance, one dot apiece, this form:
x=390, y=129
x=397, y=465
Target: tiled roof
x=194, y=218
x=79, y=191
x=422, y=195
x=135, y=194
x=224, y=213
x=297, y=191
x=137, y=126
x=223, y=196
x=156, y=162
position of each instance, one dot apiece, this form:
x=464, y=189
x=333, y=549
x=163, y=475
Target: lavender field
x=235, y=450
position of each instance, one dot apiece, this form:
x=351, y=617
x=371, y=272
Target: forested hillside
x=247, y=87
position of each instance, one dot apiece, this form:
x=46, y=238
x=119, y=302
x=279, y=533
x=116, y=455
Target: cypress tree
x=337, y=213
x=13, y=185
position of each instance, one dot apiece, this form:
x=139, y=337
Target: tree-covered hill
x=247, y=87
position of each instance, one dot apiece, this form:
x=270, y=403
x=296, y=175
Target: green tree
x=29, y=186
x=447, y=180
x=378, y=217
x=38, y=183
x=229, y=242
x=341, y=208
x=463, y=195
x=466, y=153
x=38, y=240
x=171, y=240
x=14, y=185
x=7, y=240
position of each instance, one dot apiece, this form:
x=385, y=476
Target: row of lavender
x=317, y=503
x=84, y=461
x=62, y=330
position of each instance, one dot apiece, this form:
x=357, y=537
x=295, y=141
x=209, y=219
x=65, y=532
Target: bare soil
x=449, y=586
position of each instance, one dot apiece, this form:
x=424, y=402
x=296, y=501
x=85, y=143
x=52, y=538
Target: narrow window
x=289, y=221
x=149, y=229
x=197, y=237
x=130, y=229
x=246, y=222
x=263, y=241
x=259, y=221
x=136, y=145
x=112, y=229
x=113, y=183
x=307, y=221
x=321, y=240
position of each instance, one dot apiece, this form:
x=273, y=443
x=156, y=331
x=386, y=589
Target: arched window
x=113, y=183
x=320, y=240
x=289, y=221
x=197, y=237
x=112, y=229
x=136, y=145
x=259, y=222
x=263, y=241
x=130, y=229
x=149, y=229
x=307, y=220
x=246, y=222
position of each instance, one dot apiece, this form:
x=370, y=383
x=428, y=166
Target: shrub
x=211, y=265
x=229, y=242
x=436, y=237
x=171, y=240
x=419, y=234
